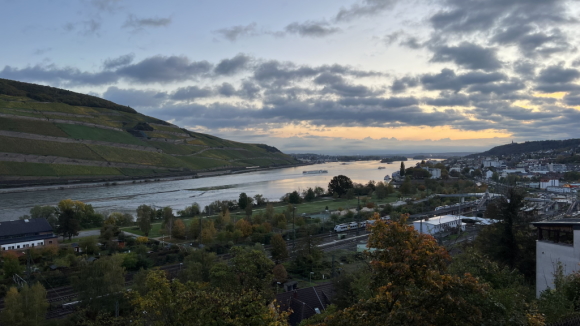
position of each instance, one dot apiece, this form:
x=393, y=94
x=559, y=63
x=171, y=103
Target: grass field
x=229, y=154
x=32, y=127
x=122, y=155
x=181, y=149
x=39, y=147
x=197, y=162
x=54, y=170
x=141, y=172
x=90, y=133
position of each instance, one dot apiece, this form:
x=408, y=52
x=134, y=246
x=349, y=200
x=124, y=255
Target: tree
x=49, y=213
x=144, y=217
x=10, y=264
x=178, y=231
x=245, y=227
x=294, y=197
x=407, y=186
x=308, y=254
x=259, y=199
x=68, y=223
x=27, y=307
x=243, y=201
x=381, y=190
x=310, y=195
x=197, y=266
x=223, y=219
x=279, y=248
x=169, y=303
x=511, y=241
x=101, y=284
x=280, y=274
x=208, y=232
x=253, y=270
x=411, y=285
x=88, y=245
x=168, y=218
x=402, y=169
x=339, y=185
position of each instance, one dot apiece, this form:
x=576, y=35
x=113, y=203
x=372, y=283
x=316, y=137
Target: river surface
x=272, y=184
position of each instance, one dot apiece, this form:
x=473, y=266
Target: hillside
x=53, y=135
x=531, y=146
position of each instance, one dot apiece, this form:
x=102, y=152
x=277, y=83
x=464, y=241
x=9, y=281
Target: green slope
x=53, y=134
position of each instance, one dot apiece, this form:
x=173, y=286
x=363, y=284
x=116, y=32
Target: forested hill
x=531, y=146
x=53, y=135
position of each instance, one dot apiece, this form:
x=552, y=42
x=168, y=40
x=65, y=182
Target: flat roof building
x=438, y=224
x=558, y=242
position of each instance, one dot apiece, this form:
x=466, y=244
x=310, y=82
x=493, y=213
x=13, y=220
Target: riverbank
x=130, y=180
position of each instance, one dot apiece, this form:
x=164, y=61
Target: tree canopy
x=339, y=185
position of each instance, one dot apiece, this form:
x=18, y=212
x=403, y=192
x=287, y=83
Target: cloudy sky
x=340, y=76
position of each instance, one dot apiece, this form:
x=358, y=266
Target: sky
x=332, y=77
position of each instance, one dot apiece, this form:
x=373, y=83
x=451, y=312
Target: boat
x=387, y=178
x=381, y=167
x=315, y=172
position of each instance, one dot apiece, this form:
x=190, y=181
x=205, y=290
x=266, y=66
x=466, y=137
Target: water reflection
x=273, y=184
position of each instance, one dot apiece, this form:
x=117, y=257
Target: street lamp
x=311, y=278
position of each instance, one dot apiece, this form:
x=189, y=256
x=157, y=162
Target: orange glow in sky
x=400, y=133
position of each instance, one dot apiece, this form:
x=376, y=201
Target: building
x=558, y=243
x=438, y=224
x=307, y=302
x=545, y=183
x=435, y=172
x=22, y=234
x=491, y=163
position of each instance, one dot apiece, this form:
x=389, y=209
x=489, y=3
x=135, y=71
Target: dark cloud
x=400, y=85
x=235, y=32
x=469, y=16
x=364, y=8
x=572, y=99
x=448, y=80
x=226, y=89
x=191, y=93
x=336, y=84
x=448, y=99
x=134, y=97
x=525, y=68
x=159, y=69
x=467, y=55
x=498, y=88
x=137, y=24
x=232, y=66
x=557, y=79
x=531, y=42
x=311, y=29
x=119, y=61
x=248, y=90
x=41, y=51
x=558, y=74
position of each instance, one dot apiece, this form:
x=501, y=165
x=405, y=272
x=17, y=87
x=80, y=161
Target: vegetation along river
x=272, y=184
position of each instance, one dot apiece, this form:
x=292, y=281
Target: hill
x=531, y=146
x=53, y=135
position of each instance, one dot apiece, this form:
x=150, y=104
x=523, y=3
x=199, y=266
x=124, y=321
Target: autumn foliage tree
x=411, y=284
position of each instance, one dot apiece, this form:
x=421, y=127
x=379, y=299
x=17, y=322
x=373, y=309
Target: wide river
x=272, y=184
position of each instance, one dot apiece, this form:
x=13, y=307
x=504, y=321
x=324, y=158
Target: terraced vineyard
x=62, y=141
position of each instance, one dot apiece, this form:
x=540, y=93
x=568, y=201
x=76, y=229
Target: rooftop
x=28, y=226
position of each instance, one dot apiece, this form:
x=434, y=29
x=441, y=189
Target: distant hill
x=531, y=146
x=50, y=135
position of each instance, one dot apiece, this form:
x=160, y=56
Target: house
x=558, y=243
x=306, y=302
x=488, y=174
x=435, y=172
x=27, y=233
x=438, y=224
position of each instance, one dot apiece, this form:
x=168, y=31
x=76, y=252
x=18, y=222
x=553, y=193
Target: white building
x=438, y=224
x=558, y=242
x=488, y=174
x=545, y=183
x=435, y=172
x=491, y=163
x=561, y=190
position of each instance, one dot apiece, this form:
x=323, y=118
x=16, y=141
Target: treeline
x=393, y=158
x=52, y=94
x=530, y=146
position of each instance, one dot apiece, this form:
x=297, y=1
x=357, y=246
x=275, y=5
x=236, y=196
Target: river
x=272, y=184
